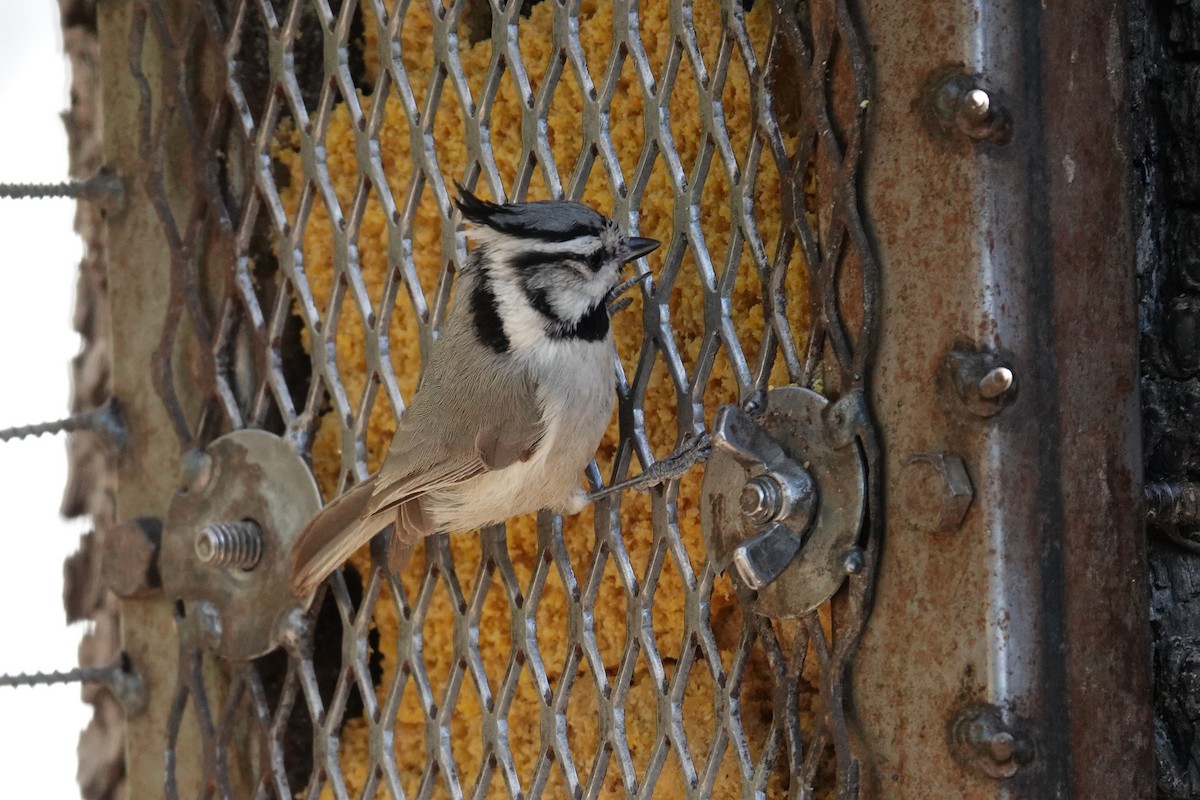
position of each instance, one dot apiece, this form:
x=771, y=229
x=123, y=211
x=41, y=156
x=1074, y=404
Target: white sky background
x=39, y=256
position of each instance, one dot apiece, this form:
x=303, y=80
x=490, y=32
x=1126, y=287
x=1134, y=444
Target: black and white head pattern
x=546, y=270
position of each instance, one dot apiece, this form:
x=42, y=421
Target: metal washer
x=244, y=475
x=799, y=420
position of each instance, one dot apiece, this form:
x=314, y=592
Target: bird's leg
x=613, y=299
x=691, y=452
x=619, y=306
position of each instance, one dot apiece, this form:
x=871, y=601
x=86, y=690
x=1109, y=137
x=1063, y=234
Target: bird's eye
x=595, y=262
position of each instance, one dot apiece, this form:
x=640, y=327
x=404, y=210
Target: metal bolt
x=1000, y=746
x=854, y=560
x=1173, y=504
x=104, y=420
x=232, y=545
x=976, y=106
x=981, y=379
x=984, y=741
x=995, y=383
x=935, y=492
x=787, y=492
x=104, y=185
x=125, y=685
x=762, y=498
x=977, y=116
x=971, y=109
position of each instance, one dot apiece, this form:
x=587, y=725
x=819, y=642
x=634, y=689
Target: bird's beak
x=638, y=246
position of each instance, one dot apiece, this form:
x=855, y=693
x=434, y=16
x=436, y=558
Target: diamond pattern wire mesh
x=588, y=657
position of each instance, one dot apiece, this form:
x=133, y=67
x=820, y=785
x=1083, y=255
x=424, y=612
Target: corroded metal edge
x=1037, y=605
x=140, y=262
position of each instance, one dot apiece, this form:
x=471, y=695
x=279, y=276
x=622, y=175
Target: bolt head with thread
x=761, y=499
x=230, y=545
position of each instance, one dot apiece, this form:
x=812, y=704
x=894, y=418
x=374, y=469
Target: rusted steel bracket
x=783, y=502
x=1012, y=575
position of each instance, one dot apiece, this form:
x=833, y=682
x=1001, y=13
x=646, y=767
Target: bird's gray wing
x=456, y=428
x=464, y=435
x=328, y=539
x=475, y=410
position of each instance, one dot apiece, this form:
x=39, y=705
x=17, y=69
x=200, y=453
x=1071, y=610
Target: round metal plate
x=799, y=420
x=245, y=475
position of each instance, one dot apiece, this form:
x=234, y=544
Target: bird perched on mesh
x=517, y=393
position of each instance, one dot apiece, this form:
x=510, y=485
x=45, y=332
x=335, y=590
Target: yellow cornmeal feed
x=687, y=321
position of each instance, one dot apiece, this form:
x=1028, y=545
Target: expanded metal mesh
x=591, y=657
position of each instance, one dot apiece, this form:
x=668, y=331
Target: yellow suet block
x=687, y=323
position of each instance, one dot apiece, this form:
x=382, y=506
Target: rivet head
x=854, y=560
x=983, y=740
x=755, y=403
x=976, y=105
x=211, y=625
x=197, y=470
x=961, y=104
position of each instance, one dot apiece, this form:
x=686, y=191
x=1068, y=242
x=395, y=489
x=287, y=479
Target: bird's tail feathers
x=412, y=525
x=333, y=535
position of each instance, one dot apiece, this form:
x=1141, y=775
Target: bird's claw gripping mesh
x=585, y=657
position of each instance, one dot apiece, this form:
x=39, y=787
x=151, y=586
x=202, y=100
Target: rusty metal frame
x=1037, y=605
x=1017, y=247
x=142, y=259
x=187, y=224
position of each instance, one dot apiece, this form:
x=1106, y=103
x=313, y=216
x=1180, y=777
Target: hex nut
x=935, y=492
x=129, y=558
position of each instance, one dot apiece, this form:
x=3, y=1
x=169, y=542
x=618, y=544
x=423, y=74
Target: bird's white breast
x=575, y=381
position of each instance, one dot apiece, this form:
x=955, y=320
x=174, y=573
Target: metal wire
x=104, y=419
x=102, y=185
x=243, y=205
x=77, y=675
x=124, y=684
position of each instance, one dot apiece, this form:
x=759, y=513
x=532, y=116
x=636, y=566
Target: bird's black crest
x=544, y=220
x=480, y=212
